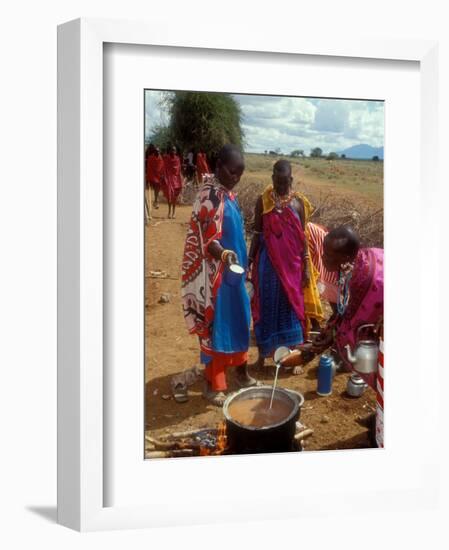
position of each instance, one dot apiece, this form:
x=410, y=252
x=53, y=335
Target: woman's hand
x=232, y=258
x=229, y=257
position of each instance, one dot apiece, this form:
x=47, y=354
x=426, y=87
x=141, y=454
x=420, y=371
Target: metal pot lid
x=356, y=380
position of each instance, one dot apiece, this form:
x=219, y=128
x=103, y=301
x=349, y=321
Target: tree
x=204, y=121
x=376, y=158
x=316, y=152
x=297, y=153
x=332, y=156
x=162, y=137
x=343, y=156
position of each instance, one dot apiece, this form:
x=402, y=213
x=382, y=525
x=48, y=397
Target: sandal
x=216, y=398
x=180, y=393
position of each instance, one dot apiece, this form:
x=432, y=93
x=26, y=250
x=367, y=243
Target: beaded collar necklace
x=217, y=183
x=344, y=278
x=281, y=201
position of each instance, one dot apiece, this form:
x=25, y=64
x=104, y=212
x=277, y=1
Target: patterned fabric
x=380, y=396
x=316, y=243
x=201, y=273
x=278, y=324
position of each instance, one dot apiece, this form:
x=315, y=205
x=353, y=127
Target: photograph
x=264, y=273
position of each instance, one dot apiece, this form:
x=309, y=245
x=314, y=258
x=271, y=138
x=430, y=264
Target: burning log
x=156, y=444
x=204, y=442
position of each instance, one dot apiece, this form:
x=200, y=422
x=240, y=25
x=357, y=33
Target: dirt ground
x=338, y=421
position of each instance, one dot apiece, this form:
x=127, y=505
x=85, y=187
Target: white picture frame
x=81, y=398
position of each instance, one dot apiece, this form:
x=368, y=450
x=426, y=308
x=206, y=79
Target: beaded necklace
x=231, y=194
x=281, y=201
x=344, y=278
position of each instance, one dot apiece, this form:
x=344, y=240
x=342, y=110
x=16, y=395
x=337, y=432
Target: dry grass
x=341, y=192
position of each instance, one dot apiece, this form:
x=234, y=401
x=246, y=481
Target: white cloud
x=291, y=123
x=155, y=113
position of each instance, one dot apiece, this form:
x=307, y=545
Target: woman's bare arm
x=258, y=226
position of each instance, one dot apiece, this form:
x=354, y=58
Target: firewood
x=178, y=445
x=162, y=445
x=302, y=435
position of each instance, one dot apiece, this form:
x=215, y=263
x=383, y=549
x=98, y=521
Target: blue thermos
x=325, y=376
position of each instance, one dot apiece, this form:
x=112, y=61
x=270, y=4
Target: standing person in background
x=173, y=180
x=155, y=173
x=202, y=167
x=189, y=167
x=286, y=302
x=216, y=311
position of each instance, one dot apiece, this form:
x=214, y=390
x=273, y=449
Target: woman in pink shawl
x=360, y=290
x=281, y=274
x=173, y=180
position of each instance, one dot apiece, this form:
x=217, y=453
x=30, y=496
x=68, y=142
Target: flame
x=222, y=439
x=220, y=445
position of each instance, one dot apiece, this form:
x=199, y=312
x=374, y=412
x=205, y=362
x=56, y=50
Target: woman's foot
x=243, y=379
x=216, y=398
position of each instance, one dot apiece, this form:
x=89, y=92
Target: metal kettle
x=356, y=386
x=365, y=356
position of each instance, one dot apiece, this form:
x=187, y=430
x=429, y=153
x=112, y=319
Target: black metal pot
x=275, y=438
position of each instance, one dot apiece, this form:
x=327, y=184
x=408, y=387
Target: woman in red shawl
x=173, y=180
x=155, y=173
x=202, y=166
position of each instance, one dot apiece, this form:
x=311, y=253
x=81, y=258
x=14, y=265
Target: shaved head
x=282, y=167
x=344, y=240
x=227, y=152
x=340, y=246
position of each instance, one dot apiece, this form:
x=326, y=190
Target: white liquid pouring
x=278, y=365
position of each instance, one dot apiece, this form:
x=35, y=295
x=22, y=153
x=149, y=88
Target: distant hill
x=362, y=151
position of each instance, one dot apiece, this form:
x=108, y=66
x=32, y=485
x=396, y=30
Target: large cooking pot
x=274, y=438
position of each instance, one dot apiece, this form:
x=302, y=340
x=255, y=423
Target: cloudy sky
x=289, y=123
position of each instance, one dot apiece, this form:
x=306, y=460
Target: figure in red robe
x=202, y=167
x=173, y=180
x=155, y=173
